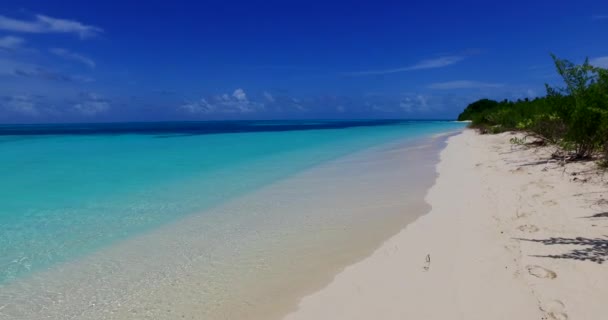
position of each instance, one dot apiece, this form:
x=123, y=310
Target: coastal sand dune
x=510, y=235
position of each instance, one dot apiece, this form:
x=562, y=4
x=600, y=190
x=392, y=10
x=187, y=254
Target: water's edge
x=259, y=308
x=89, y=191
x=443, y=138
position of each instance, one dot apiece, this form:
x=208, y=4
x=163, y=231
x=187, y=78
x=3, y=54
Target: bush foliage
x=574, y=116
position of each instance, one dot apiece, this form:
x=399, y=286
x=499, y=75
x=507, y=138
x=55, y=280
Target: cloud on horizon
x=46, y=24
x=40, y=106
x=20, y=104
x=237, y=102
x=416, y=103
x=92, y=104
x=463, y=84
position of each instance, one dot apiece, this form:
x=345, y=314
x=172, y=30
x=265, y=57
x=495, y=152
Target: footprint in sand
x=549, y=203
x=557, y=315
x=556, y=310
x=529, y=228
x=427, y=263
x=541, y=185
x=518, y=170
x=522, y=214
x=545, y=186
x=541, y=272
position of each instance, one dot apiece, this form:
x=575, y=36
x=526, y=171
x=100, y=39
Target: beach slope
x=510, y=235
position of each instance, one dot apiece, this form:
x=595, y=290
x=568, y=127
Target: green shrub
x=579, y=105
x=574, y=117
x=477, y=107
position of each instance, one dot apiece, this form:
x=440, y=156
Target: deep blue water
x=187, y=128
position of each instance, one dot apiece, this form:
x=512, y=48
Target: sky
x=100, y=61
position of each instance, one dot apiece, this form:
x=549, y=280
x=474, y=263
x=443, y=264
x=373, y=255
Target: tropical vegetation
x=573, y=117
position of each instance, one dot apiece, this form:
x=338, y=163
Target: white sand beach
x=510, y=235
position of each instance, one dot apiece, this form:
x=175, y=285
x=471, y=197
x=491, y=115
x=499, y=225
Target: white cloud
x=436, y=63
x=22, y=104
x=46, y=24
x=424, y=64
x=9, y=66
x=283, y=103
x=463, y=84
x=239, y=94
x=201, y=106
x=92, y=104
x=66, y=54
x=36, y=72
x=11, y=43
x=406, y=106
x=414, y=103
x=269, y=97
x=237, y=102
x=422, y=103
x=297, y=104
x=601, y=62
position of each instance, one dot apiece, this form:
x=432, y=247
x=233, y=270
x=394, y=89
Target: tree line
x=573, y=117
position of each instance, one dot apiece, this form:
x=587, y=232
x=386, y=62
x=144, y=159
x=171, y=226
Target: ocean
x=73, y=195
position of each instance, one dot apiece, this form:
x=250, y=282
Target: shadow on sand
x=596, y=249
x=598, y=215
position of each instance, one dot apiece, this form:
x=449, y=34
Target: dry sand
x=510, y=236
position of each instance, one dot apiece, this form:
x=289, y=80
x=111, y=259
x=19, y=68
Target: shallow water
x=121, y=220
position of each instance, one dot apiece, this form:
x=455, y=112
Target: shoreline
x=167, y=273
x=509, y=236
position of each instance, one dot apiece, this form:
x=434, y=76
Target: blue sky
x=68, y=61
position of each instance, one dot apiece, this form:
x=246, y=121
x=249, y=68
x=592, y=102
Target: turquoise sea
x=67, y=191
